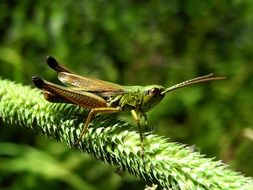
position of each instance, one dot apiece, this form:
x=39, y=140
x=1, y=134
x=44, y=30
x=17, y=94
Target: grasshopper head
x=152, y=95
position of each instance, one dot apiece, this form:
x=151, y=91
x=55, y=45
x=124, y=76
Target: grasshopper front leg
x=94, y=111
x=137, y=120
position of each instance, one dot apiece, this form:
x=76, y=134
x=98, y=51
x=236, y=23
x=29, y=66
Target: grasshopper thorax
x=141, y=98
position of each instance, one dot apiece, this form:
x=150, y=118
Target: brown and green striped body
x=103, y=97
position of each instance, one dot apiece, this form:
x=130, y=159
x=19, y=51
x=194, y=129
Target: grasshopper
x=102, y=97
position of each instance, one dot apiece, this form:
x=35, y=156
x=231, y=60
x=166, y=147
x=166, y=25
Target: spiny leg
x=137, y=120
x=145, y=120
x=93, y=112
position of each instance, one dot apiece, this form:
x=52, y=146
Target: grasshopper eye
x=154, y=92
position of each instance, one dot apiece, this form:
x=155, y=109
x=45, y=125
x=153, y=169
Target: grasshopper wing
x=91, y=85
x=55, y=93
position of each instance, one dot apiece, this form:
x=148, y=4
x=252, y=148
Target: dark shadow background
x=132, y=42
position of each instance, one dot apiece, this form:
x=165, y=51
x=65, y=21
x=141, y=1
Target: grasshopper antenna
x=53, y=63
x=205, y=78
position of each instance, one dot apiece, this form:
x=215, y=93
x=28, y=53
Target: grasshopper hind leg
x=92, y=113
x=53, y=63
x=54, y=98
x=47, y=93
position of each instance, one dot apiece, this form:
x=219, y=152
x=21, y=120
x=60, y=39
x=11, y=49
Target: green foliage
x=169, y=165
x=141, y=42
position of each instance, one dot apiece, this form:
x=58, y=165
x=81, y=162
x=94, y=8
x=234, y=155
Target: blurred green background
x=132, y=42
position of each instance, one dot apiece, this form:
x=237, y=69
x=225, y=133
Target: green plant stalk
x=167, y=164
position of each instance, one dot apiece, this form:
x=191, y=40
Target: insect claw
x=38, y=82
